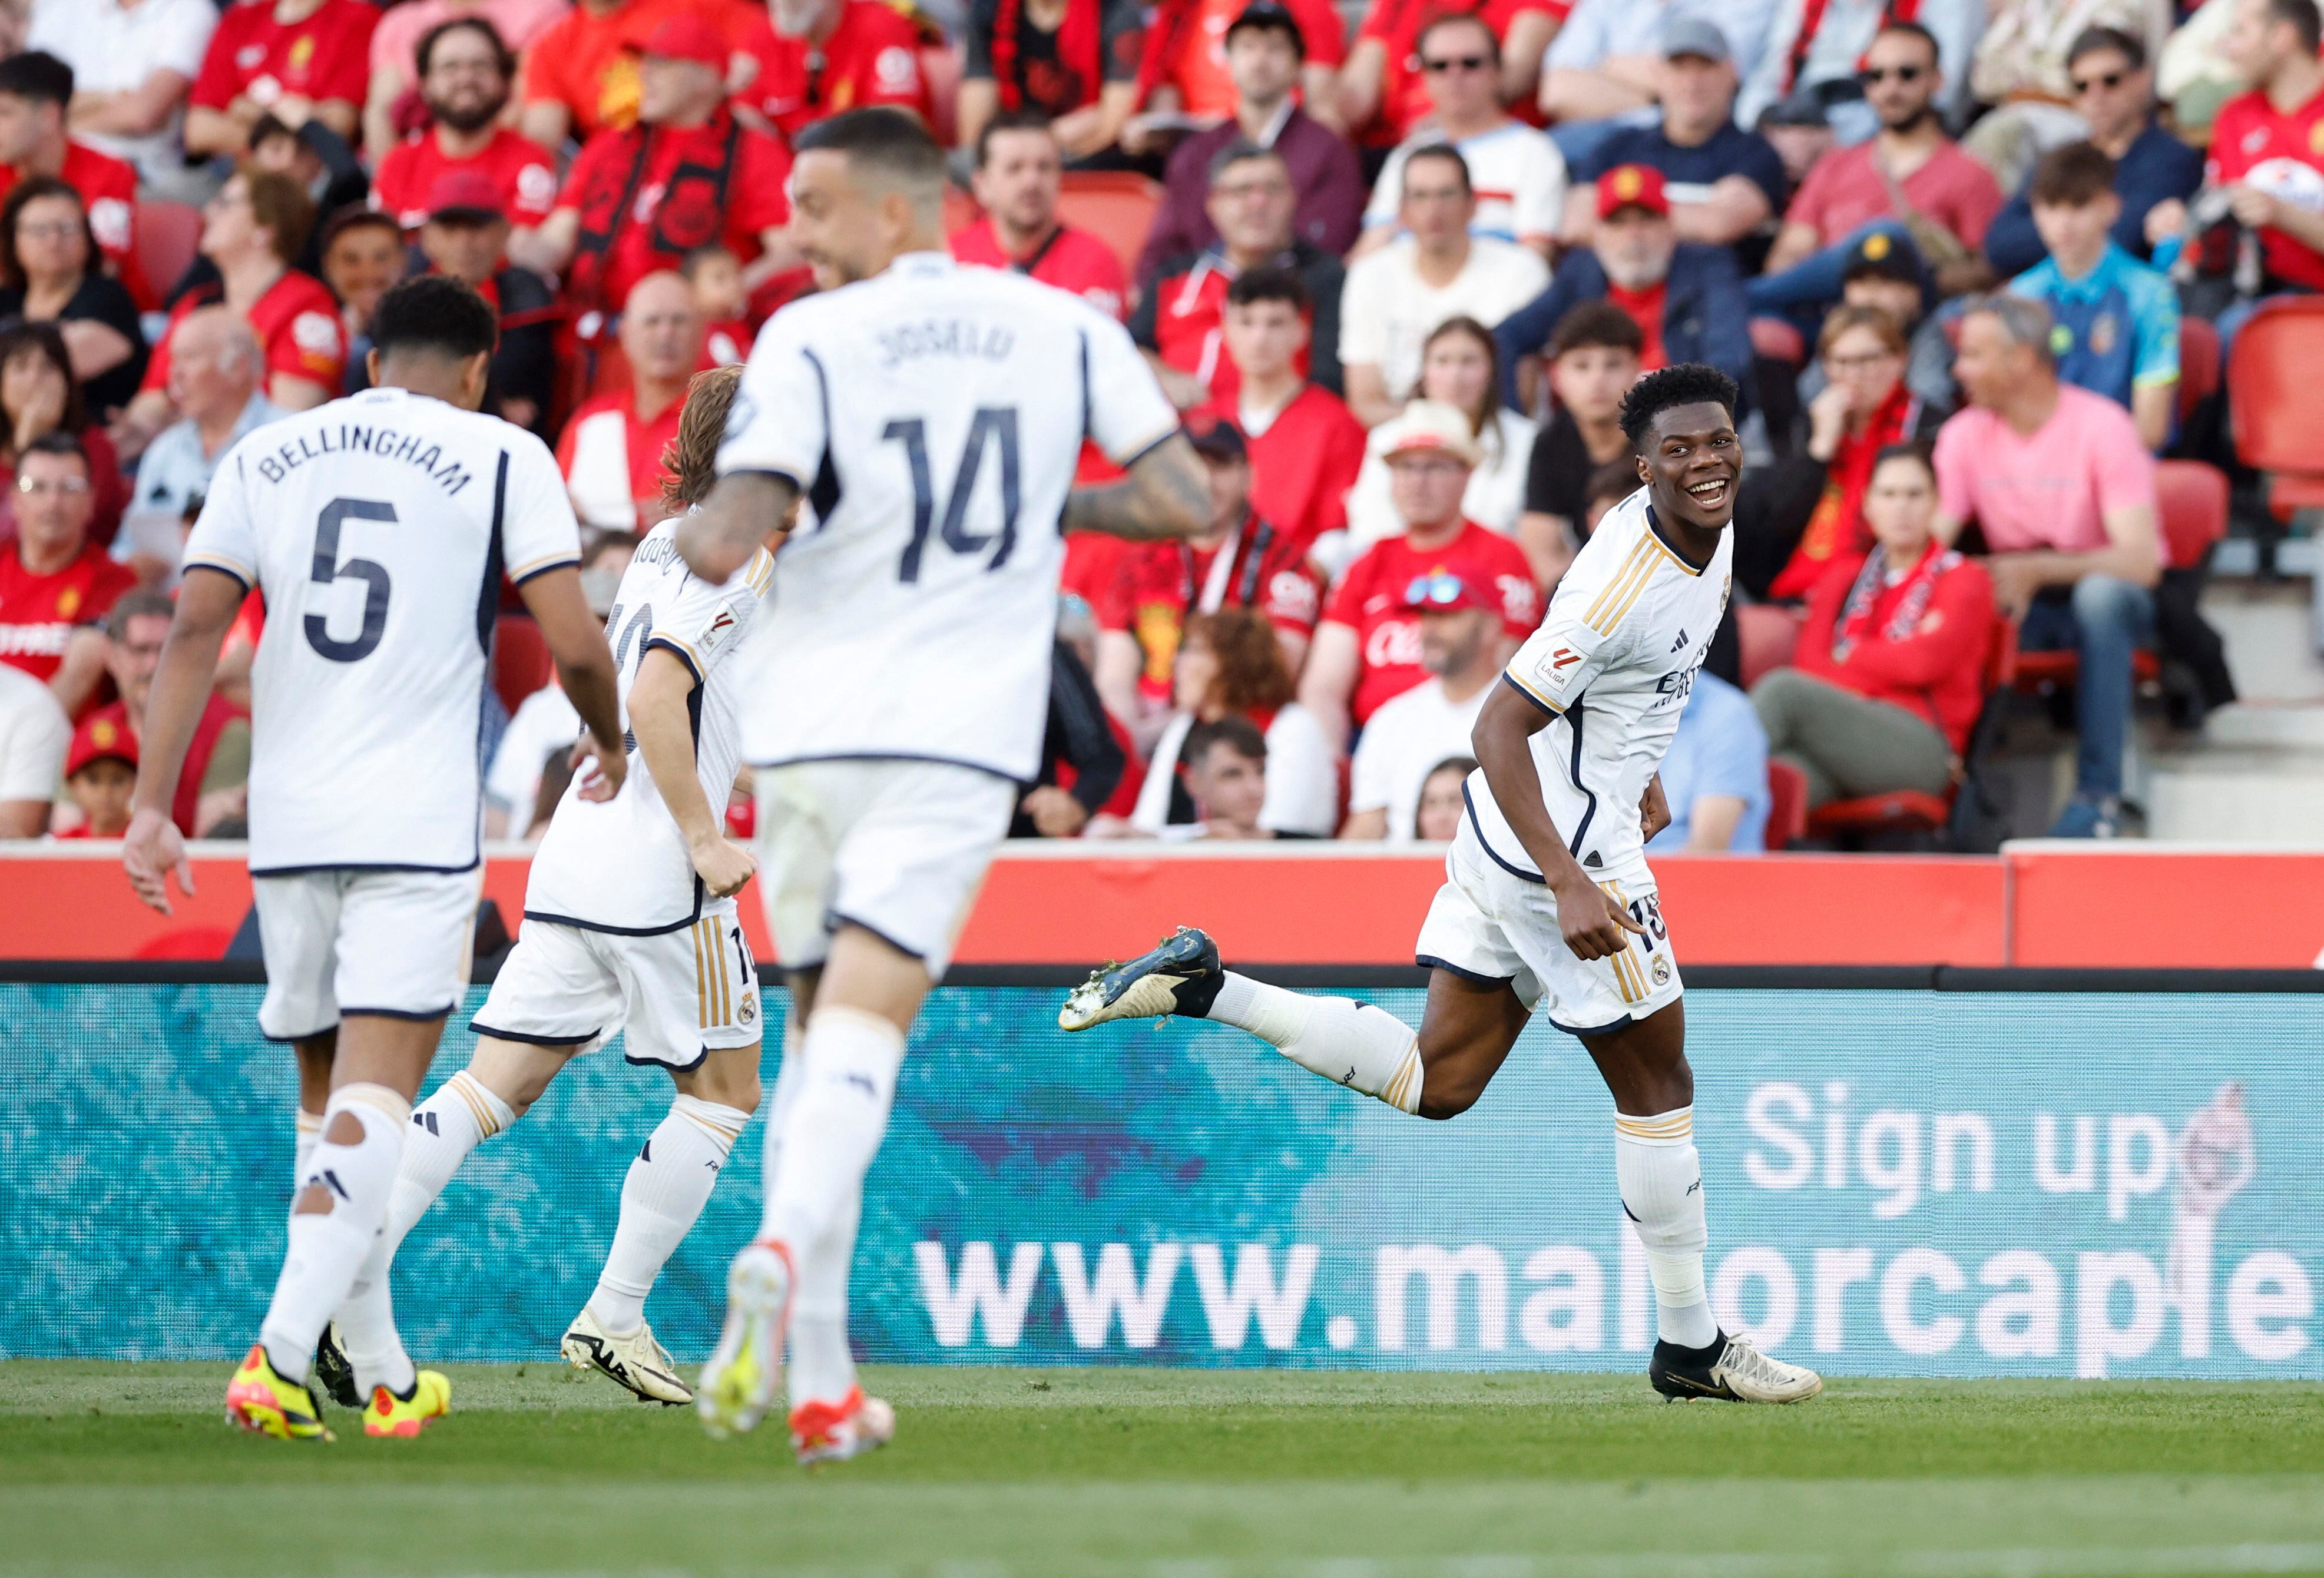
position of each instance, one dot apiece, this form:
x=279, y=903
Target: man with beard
x=465, y=76
x=1685, y=297
x=1018, y=168
x=1910, y=179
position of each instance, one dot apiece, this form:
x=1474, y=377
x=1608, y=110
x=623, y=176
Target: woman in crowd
x=1807, y=509
x=1458, y=366
x=1230, y=661
x=50, y=272
x=1439, y=816
x=1889, y=670
x=39, y=394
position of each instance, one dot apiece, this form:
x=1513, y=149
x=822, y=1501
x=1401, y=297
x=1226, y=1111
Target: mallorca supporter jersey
x=1157, y=585
x=1370, y=600
x=612, y=461
x=521, y=172
x=1302, y=462
x=1182, y=320
x=1612, y=665
x=873, y=57
x=1070, y=260
x=297, y=322
x=2254, y=145
x=39, y=613
x=252, y=55
x=621, y=865
x=933, y=416
x=1197, y=47
x=669, y=178
x=379, y=528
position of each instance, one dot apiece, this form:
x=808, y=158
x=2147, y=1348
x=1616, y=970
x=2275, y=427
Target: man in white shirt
x=34, y=734
x=1460, y=647
x=1519, y=175
x=1435, y=270
x=134, y=62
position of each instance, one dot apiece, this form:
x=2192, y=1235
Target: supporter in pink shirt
x=2063, y=491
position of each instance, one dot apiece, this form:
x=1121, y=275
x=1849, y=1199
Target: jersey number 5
x=992, y=424
x=328, y=569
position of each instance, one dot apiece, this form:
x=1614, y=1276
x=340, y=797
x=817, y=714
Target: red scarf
x=1077, y=49
x=1837, y=526
x=1166, y=30
x=1912, y=595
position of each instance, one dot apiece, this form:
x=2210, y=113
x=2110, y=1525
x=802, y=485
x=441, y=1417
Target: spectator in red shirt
x=251, y=231
x=1889, y=672
x=1018, y=170
x=100, y=775
x=212, y=788
x=49, y=273
x=1184, y=70
x=465, y=76
x=2265, y=147
x=294, y=60
x=613, y=448
x=56, y=585
x=1305, y=448
x=1242, y=561
x=688, y=174
x=580, y=73
x=1950, y=196
x=1367, y=648
x=825, y=56
x=39, y=395
x=1073, y=60
x=1383, y=95
x=35, y=92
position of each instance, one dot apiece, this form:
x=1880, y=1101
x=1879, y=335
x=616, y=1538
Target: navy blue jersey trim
x=1622, y=1024
x=824, y=494
x=415, y=1016
x=1129, y=460
x=1495, y=855
x=1655, y=525
x=673, y=1068
x=220, y=570
x=580, y=925
x=895, y=755
x=303, y=1035
x=541, y=570
x=481, y=1028
x=678, y=652
x=837, y=919
x=1574, y=716
x=344, y=866
x=1543, y=707
x=1430, y=962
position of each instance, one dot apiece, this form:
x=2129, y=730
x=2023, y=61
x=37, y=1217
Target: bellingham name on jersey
x=354, y=438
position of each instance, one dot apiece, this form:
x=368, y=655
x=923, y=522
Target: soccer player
x=931, y=415
x=378, y=528
x=629, y=919
x=1548, y=902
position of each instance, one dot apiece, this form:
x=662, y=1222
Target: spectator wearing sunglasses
x=2154, y=173
x=1910, y=179
x=1460, y=647
x=2020, y=67
x=1367, y=649
x=1816, y=48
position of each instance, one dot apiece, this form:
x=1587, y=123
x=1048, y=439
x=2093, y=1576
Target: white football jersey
x=1613, y=663
x=933, y=416
x=621, y=865
x=378, y=527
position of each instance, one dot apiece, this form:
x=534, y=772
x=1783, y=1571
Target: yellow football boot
x=388, y=1415
x=261, y=1400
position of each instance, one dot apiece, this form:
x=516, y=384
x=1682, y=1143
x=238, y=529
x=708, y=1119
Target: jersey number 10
x=993, y=424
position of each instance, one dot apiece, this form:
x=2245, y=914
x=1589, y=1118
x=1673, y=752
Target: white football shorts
x=679, y=995
x=1488, y=925
x=340, y=941
x=898, y=848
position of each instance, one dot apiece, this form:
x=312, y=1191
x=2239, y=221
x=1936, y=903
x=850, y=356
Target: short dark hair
x=266, y=128
x=1017, y=119
x=356, y=215
x=2091, y=40
x=38, y=77
x=1238, y=733
x=434, y=312
x=1239, y=152
x=44, y=338
x=25, y=192
x=56, y=441
x=1271, y=20
x=1454, y=19
x=890, y=141
x=1913, y=450
x=1911, y=30
x=143, y=603
x=1689, y=383
x=2305, y=22
x=1596, y=322
x=1268, y=285
x=1439, y=150
x=505, y=57
x=2073, y=176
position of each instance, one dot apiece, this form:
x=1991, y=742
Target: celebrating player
x=378, y=527
x=628, y=921
x=1547, y=899
x=931, y=415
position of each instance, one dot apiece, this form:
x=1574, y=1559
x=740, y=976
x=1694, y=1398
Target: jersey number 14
x=994, y=425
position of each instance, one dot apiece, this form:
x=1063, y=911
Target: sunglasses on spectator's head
x=1455, y=63
x=1876, y=74
x=1436, y=590
x=2109, y=81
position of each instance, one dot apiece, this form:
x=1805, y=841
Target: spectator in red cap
x=581, y=73
x=1306, y=449
x=465, y=71
x=1018, y=172
x=295, y=60
x=1460, y=619
x=1242, y=561
x=100, y=772
x=613, y=448
x=1685, y=297
x=57, y=585
x=466, y=235
x=212, y=787
x=688, y=174
x=825, y=56
x=1074, y=62
x=1367, y=650
x=35, y=92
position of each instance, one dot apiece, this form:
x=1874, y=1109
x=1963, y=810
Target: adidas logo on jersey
x=1679, y=645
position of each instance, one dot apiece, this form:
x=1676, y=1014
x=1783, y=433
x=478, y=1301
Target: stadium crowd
x=1398, y=268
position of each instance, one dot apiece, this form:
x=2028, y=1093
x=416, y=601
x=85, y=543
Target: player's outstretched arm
x=1592, y=922
x=742, y=514
x=585, y=667
x=153, y=848
x=1167, y=494
x=660, y=723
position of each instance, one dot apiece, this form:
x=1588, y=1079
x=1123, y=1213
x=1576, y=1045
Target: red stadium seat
x=1118, y=207
x=1766, y=634
x=167, y=235
x=2199, y=364
x=2270, y=403
x=940, y=69
x=1787, y=804
x=521, y=660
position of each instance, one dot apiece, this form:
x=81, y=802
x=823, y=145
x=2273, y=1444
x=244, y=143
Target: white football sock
x=834, y=1127
x=1661, y=1181
x=822, y=1367
x=1353, y=1044
x=668, y=1185
x=327, y=1248
x=309, y=1130
x=460, y=1115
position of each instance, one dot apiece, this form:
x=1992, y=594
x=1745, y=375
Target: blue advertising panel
x=1898, y=1183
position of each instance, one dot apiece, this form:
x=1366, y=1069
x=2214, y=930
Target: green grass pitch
x=129, y=1469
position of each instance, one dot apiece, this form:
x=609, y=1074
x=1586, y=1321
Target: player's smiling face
x=834, y=220
x=1693, y=464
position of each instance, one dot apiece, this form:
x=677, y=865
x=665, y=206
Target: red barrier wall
x=2039, y=904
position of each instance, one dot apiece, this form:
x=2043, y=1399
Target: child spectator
x=1306, y=449
x=213, y=787
x=363, y=255
x=723, y=302
x=100, y=772
x=1593, y=360
x=1230, y=670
